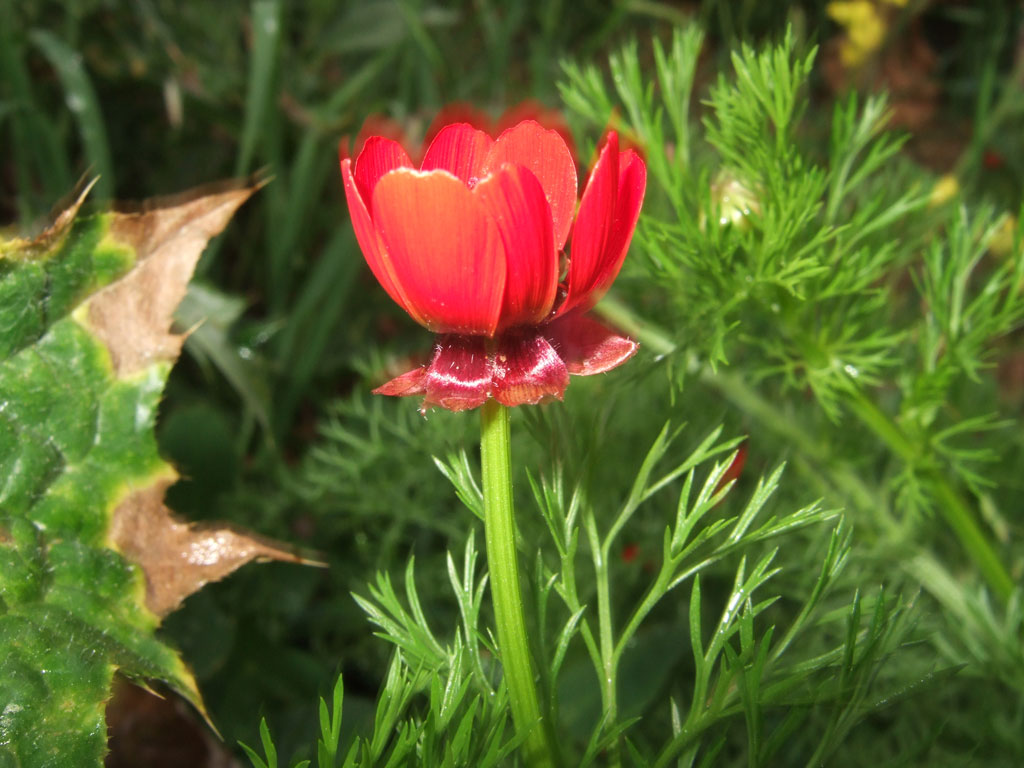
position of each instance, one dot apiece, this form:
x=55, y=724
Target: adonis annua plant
x=773, y=520
x=471, y=247
x=668, y=606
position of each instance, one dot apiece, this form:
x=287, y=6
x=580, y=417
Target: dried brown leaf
x=133, y=316
x=179, y=558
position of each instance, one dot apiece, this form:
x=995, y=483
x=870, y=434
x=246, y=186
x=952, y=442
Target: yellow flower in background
x=1005, y=237
x=865, y=29
x=945, y=189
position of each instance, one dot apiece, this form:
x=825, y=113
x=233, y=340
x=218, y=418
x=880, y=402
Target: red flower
x=469, y=246
x=373, y=125
x=457, y=112
x=630, y=552
x=992, y=160
x=735, y=468
x=464, y=112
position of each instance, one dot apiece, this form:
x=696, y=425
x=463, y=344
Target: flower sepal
x=523, y=366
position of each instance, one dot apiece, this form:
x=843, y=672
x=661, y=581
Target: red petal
x=630, y=551
x=630, y=198
x=592, y=225
x=735, y=468
x=445, y=250
x=384, y=127
x=531, y=109
x=377, y=157
x=526, y=369
x=411, y=383
x=516, y=201
x=457, y=112
x=344, y=148
x=992, y=160
x=370, y=243
x=605, y=223
x=545, y=154
x=459, y=376
x=459, y=149
x=586, y=345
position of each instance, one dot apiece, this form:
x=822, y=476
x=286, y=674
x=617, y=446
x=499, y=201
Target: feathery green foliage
x=796, y=278
x=792, y=268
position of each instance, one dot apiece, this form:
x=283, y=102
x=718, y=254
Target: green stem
x=607, y=671
x=500, y=530
x=604, y=610
x=953, y=508
x=743, y=396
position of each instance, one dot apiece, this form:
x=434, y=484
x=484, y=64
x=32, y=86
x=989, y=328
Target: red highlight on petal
x=549, y=118
x=373, y=125
x=526, y=370
x=378, y=156
x=516, y=202
x=629, y=199
x=605, y=223
x=370, y=243
x=459, y=149
x=588, y=346
x=519, y=368
x=413, y=382
x=544, y=154
x=457, y=112
x=459, y=376
x=445, y=249
x=593, y=221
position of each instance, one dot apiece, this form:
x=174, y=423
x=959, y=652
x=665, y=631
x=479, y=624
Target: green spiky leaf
x=90, y=559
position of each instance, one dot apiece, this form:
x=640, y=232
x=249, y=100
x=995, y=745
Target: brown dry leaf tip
x=49, y=237
x=133, y=316
x=180, y=558
x=62, y=221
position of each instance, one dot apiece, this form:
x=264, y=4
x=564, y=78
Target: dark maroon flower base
x=518, y=367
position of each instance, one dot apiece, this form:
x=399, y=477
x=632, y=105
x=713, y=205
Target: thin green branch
x=952, y=506
x=609, y=694
x=949, y=502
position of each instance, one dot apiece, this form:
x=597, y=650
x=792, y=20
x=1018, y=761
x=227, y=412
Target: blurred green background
x=268, y=415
